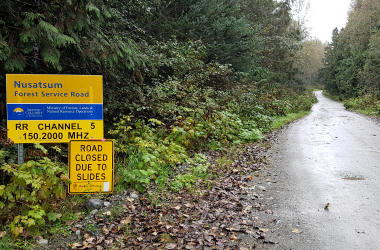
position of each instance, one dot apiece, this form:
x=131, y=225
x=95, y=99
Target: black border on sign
x=113, y=168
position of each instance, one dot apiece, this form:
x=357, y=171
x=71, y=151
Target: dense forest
x=352, y=63
x=141, y=47
x=180, y=77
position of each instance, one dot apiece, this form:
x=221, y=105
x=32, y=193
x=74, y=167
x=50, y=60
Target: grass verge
x=367, y=104
x=369, y=112
x=332, y=97
x=280, y=121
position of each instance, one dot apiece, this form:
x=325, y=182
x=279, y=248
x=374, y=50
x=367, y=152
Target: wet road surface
x=330, y=156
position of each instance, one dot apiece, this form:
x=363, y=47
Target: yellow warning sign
x=91, y=166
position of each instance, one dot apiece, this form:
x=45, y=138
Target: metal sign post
x=20, y=153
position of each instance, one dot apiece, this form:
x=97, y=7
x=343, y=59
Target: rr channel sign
x=54, y=108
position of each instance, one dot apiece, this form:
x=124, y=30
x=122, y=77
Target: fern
x=62, y=40
x=92, y=8
x=52, y=33
x=47, y=27
x=4, y=51
x=51, y=56
x=30, y=35
x=107, y=13
x=40, y=147
x=14, y=64
x=30, y=18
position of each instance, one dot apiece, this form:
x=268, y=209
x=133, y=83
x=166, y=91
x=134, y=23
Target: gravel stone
x=43, y=242
x=94, y=204
x=78, y=234
x=134, y=196
x=93, y=212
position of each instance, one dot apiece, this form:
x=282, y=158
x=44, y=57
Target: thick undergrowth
x=180, y=78
x=367, y=104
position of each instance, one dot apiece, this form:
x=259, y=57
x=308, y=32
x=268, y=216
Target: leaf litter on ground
x=215, y=215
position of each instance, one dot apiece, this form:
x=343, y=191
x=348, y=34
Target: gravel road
x=327, y=192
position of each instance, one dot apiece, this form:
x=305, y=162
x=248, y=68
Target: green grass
x=366, y=104
x=332, y=97
x=280, y=121
x=369, y=112
x=8, y=242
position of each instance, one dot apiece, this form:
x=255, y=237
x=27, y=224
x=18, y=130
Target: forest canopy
x=137, y=45
x=352, y=62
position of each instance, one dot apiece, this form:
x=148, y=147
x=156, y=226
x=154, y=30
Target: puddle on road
x=353, y=178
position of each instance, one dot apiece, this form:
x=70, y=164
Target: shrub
x=30, y=186
x=196, y=170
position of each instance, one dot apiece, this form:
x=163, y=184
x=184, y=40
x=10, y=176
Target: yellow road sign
x=37, y=103
x=91, y=166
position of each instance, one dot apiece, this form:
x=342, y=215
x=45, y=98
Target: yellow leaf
x=296, y=230
x=16, y=231
x=63, y=177
x=327, y=205
x=127, y=220
x=41, y=194
x=63, y=194
x=2, y=234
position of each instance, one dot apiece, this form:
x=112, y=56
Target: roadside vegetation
x=351, y=67
x=180, y=78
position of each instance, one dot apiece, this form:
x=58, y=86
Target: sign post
x=20, y=154
x=54, y=108
x=91, y=167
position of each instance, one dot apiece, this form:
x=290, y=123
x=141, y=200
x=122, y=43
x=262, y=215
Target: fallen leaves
x=296, y=231
x=2, y=234
x=170, y=246
x=126, y=221
x=214, y=217
x=269, y=211
x=327, y=205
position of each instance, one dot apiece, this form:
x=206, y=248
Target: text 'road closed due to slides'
x=91, y=166
x=54, y=108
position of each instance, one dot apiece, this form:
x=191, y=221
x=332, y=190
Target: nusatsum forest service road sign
x=54, y=108
x=91, y=167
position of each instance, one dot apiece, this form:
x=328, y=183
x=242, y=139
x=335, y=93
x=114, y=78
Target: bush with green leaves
x=368, y=104
x=23, y=198
x=196, y=170
x=145, y=152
